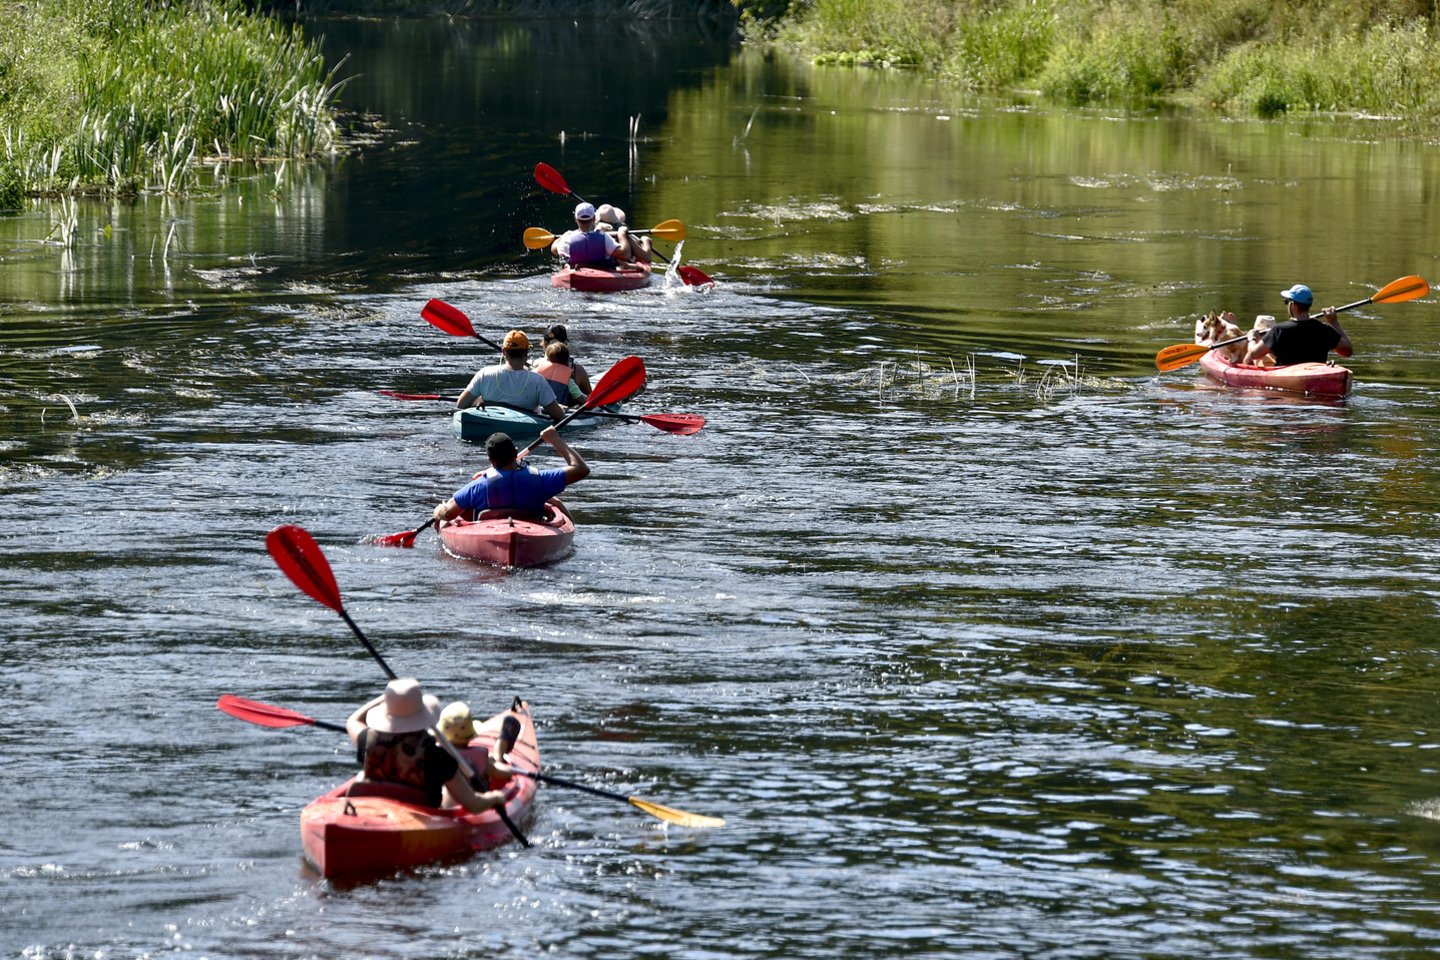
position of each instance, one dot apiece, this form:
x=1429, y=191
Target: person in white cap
x=1302, y=338
x=396, y=746
x=589, y=246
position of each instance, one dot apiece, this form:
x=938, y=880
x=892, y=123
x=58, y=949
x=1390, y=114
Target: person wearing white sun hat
x=1302, y=338
x=394, y=737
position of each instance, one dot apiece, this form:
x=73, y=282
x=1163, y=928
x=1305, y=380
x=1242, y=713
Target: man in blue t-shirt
x=1302, y=338
x=509, y=486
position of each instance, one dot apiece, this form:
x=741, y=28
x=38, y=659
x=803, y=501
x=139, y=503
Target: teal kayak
x=477, y=423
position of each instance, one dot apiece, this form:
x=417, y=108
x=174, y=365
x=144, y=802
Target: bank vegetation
x=123, y=96
x=1265, y=57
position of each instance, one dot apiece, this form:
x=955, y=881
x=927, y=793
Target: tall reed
x=128, y=95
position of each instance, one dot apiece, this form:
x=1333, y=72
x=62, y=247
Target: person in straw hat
x=395, y=744
x=458, y=726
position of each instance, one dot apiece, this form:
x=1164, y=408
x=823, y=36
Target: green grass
x=127, y=95
x=1260, y=56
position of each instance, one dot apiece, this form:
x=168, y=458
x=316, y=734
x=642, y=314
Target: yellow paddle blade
x=537, y=238
x=672, y=230
x=1398, y=291
x=672, y=815
x=1179, y=355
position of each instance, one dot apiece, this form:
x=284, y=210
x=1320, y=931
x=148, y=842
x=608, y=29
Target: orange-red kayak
x=1314, y=379
x=509, y=541
x=630, y=276
x=369, y=835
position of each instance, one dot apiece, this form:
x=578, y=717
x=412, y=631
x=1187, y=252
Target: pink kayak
x=360, y=834
x=512, y=541
x=630, y=276
x=1313, y=379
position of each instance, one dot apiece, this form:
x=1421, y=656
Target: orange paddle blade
x=1398, y=291
x=1180, y=355
x=672, y=230
x=537, y=238
x=671, y=815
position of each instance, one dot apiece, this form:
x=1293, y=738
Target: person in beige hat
x=612, y=218
x=396, y=747
x=458, y=726
x=510, y=384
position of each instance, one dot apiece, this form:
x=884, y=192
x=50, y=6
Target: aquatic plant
x=123, y=95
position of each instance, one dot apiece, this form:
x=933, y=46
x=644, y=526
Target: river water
x=985, y=639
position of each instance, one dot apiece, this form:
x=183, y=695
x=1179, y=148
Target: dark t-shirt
x=1301, y=341
x=409, y=759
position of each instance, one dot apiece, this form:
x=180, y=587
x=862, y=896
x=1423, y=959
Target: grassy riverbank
x=634, y=9
x=1258, y=56
x=120, y=96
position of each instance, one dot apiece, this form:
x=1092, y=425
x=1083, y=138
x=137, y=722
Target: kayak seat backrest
x=389, y=791
x=541, y=515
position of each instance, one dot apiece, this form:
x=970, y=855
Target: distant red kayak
x=1313, y=379
x=375, y=834
x=512, y=541
x=631, y=276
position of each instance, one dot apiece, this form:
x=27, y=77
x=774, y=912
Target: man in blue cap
x=1302, y=338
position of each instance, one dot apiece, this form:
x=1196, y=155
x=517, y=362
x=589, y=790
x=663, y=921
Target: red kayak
x=1312, y=379
x=630, y=276
x=362, y=834
x=498, y=537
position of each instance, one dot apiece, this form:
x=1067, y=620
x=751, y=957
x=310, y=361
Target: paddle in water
x=550, y=178
x=269, y=715
x=1396, y=291
x=300, y=558
x=619, y=382
x=682, y=424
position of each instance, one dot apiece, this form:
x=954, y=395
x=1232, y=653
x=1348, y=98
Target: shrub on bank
x=1389, y=70
x=124, y=95
x=1265, y=56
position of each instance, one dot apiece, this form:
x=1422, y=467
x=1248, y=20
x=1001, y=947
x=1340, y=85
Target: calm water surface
x=986, y=640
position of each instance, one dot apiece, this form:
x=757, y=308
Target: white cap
x=584, y=211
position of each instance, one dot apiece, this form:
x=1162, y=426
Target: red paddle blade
x=440, y=314
x=694, y=276
x=619, y=383
x=681, y=423
x=405, y=538
x=410, y=396
x=300, y=558
x=549, y=178
x=261, y=714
